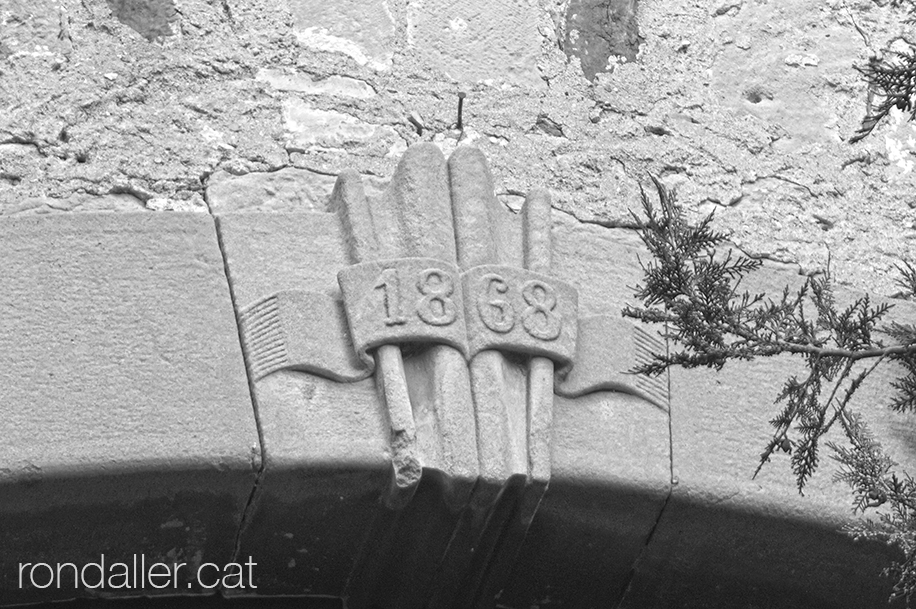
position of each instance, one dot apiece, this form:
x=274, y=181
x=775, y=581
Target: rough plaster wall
x=743, y=105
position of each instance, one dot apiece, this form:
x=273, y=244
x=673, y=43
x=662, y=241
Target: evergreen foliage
x=893, y=80
x=694, y=291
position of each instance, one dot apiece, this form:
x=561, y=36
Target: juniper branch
x=894, y=80
x=695, y=294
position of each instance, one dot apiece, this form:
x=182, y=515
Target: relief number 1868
x=435, y=305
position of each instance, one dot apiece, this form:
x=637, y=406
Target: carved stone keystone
x=422, y=341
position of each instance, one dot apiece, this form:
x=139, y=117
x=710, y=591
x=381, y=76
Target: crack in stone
x=776, y=176
x=632, y=575
x=261, y=465
x=604, y=223
x=24, y=141
x=610, y=223
x=673, y=481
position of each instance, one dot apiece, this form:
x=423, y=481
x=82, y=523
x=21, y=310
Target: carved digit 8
x=542, y=300
x=439, y=292
x=495, y=313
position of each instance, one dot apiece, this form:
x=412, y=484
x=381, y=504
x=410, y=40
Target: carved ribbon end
x=262, y=337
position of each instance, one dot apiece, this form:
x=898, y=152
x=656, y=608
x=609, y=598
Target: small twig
x=841, y=410
x=862, y=33
x=461, y=97
x=849, y=391
x=775, y=347
x=782, y=435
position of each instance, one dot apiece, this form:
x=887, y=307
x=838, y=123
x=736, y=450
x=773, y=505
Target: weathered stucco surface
x=744, y=106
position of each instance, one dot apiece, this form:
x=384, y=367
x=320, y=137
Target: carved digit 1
x=391, y=289
x=542, y=300
x=436, y=308
x=495, y=313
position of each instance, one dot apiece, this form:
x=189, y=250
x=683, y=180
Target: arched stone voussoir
x=729, y=539
x=128, y=430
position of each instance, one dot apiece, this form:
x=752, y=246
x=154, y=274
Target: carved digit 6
x=495, y=313
x=539, y=319
x=436, y=307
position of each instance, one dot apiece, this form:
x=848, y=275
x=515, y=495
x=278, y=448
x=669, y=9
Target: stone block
x=325, y=468
x=362, y=30
x=727, y=539
x=601, y=34
x=288, y=190
x=473, y=40
x=151, y=19
x=311, y=128
x=609, y=482
x=610, y=469
x=418, y=488
x=325, y=463
x=127, y=422
x=33, y=29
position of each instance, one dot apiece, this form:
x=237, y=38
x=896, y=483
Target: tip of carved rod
x=349, y=184
x=469, y=173
x=537, y=225
x=420, y=155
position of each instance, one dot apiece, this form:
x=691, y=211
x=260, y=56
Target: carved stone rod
x=392, y=382
x=473, y=203
x=538, y=248
x=499, y=410
x=413, y=224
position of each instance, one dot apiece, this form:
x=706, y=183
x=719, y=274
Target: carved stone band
x=307, y=331
x=425, y=300
x=513, y=309
x=403, y=300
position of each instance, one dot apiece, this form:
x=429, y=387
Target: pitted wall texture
x=745, y=107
